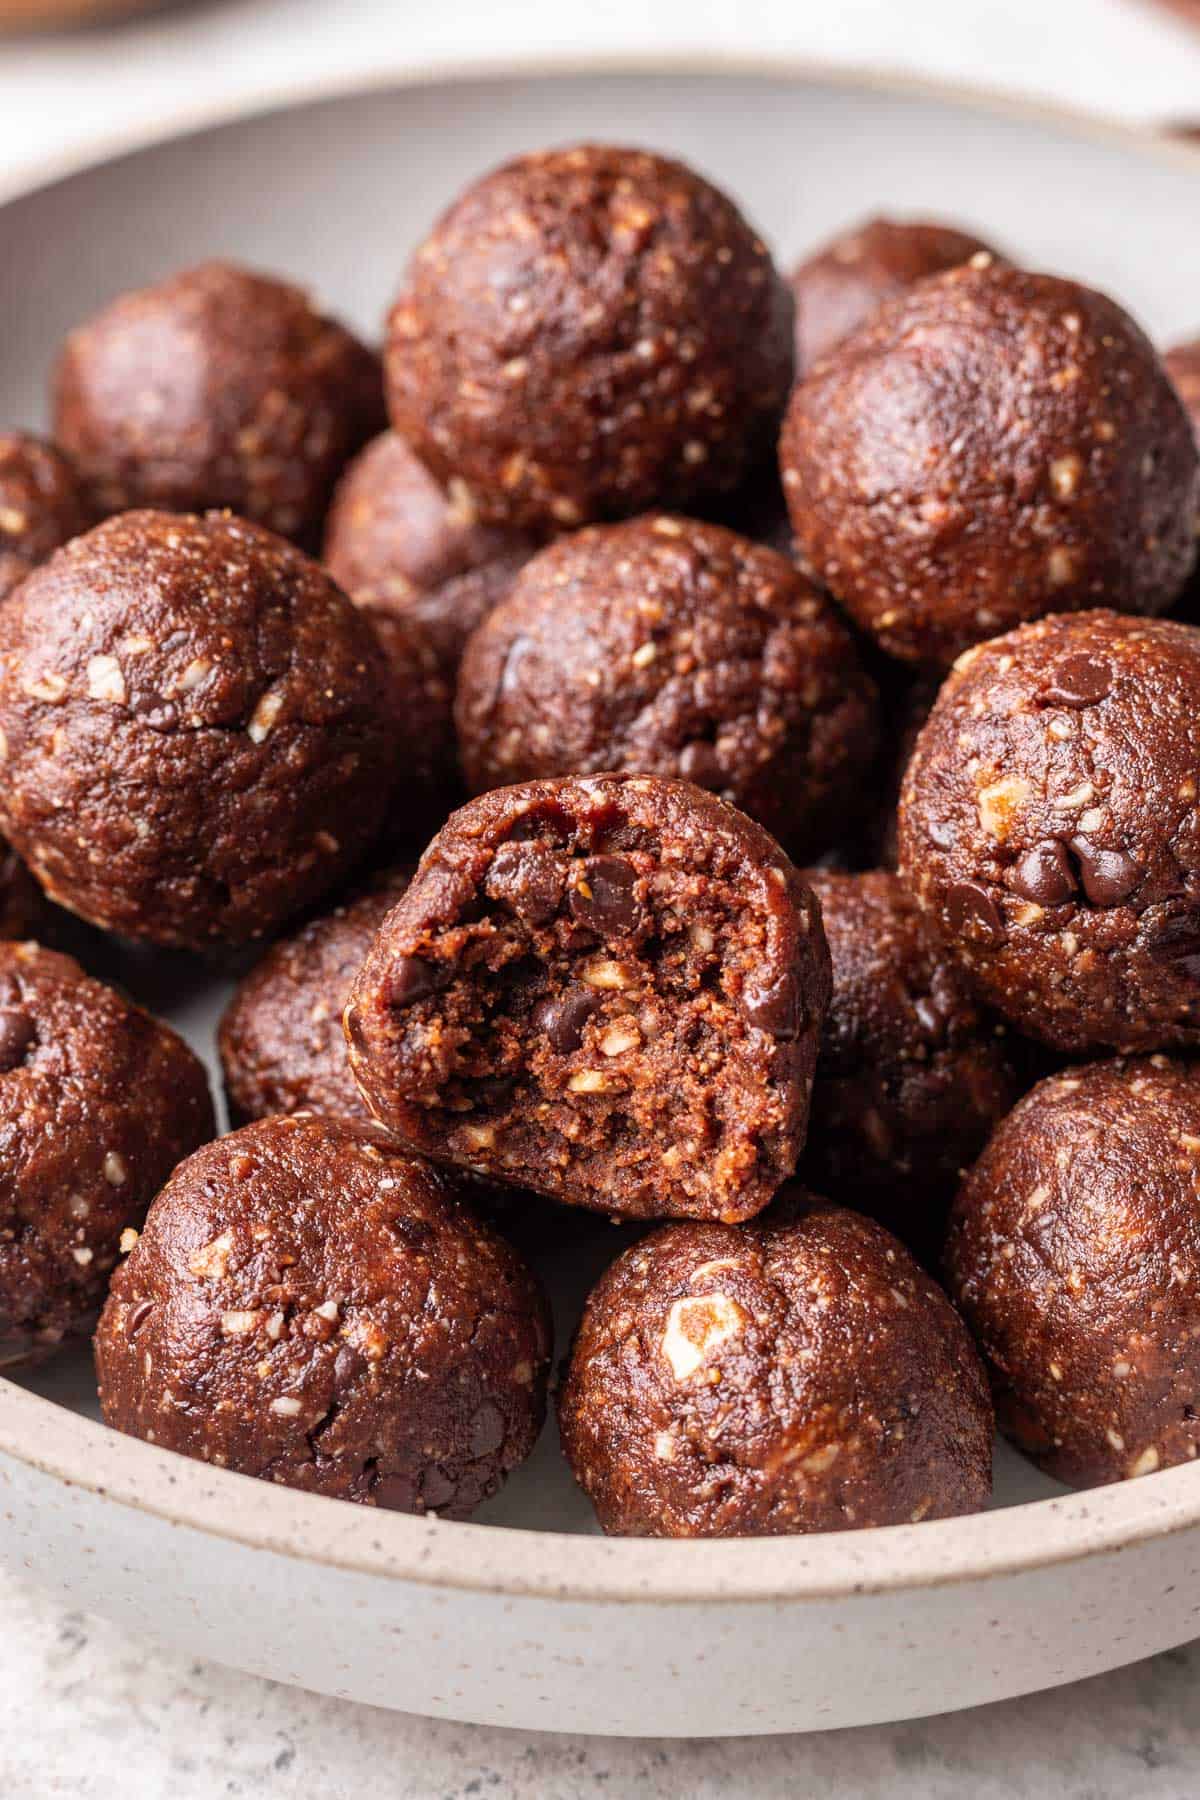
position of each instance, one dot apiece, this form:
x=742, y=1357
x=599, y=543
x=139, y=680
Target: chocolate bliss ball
x=42, y=505
x=216, y=388
x=1074, y=1255
x=797, y=1374
x=1049, y=828
x=668, y=647
x=843, y=282
x=989, y=447
x=195, y=729
x=98, y=1102
x=586, y=333
x=309, y=1305
x=607, y=990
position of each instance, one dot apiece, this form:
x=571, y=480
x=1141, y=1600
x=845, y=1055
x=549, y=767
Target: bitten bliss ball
x=668, y=647
x=1050, y=828
x=798, y=1374
x=843, y=282
x=310, y=1305
x=195, y=729
x=912, y=1074
x=1074, y=1255
x=608, y=990
x=989, y=447
x=98, y=1102
x=216, y=388
x=586, y=333
x=42, y=505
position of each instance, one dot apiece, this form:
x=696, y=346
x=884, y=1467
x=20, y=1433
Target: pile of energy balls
x=703, y=748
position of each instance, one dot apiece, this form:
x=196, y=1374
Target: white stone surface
x=87, y=1713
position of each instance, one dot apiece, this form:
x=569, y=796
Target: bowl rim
x=506, y=1561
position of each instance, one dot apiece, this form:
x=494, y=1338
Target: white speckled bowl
x=528, y=1618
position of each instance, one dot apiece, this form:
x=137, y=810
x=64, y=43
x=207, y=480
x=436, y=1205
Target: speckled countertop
x=90, y=1713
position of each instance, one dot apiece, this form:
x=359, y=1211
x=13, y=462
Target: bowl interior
x=336, y=191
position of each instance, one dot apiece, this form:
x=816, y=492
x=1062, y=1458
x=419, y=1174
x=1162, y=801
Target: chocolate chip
x=1044, y=875
x=1109, y=876
x=973, y=912
x=138, y=1316
x=154, y=711
x=1079, y=680
x=17, y=1033
x=487, y=1430
x=603, y=896
x=1178, y=942
x=699, y=762
x=414, y=1234
x=347, y=1365
x=410, y=979
x=562, y=1017
x=776, y=1008
x=529, y=879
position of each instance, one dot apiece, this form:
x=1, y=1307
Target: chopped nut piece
x=607, y=973
x=213, y=1260
x=1000, y=803
x=264, y=715
x=239, y=1324
x=695, y=1326
x=196, y=671
x=589, y=1081
x=105, y=680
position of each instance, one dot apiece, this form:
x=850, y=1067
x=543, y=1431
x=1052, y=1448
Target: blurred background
x=76, y=72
